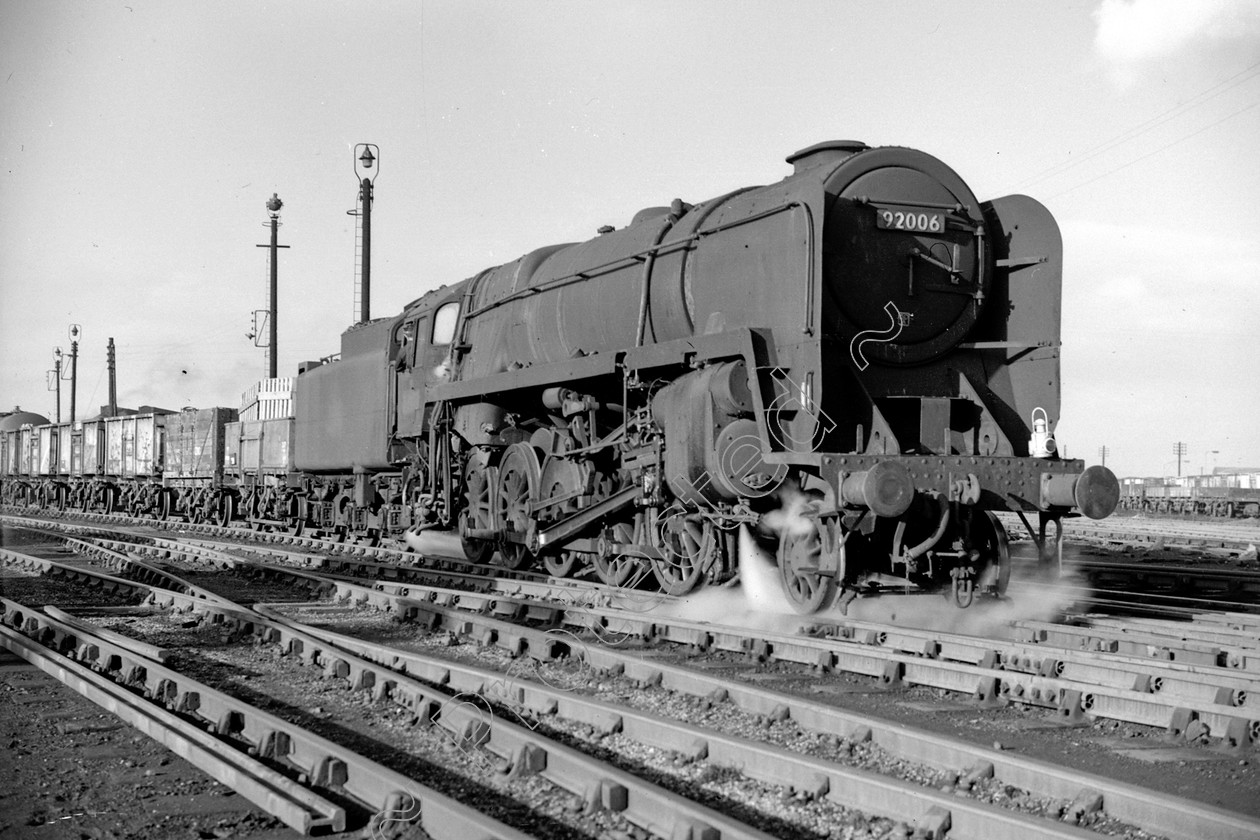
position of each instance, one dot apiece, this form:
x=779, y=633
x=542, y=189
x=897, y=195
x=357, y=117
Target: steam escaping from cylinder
x=756, y=601
x=789, y=518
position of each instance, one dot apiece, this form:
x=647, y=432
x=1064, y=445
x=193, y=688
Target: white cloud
x=1133, y=31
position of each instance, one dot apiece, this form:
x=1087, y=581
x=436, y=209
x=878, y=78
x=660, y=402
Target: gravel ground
x=71, y=771
x=381, y=731
x=391, y=735
x=778, y=810
x=698, y=779
x=35, y=590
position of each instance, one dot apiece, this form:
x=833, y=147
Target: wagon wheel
x=799, y=558
x=615, y=569
x=689, y=544
x=226, y=510
x=108, y=499
x=168, y=504
x=517, y=490
x=478, y=512
x=296, y=516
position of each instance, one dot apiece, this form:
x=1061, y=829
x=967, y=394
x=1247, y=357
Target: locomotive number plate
x=915, y=221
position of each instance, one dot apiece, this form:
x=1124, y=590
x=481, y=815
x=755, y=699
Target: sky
x=141, y=140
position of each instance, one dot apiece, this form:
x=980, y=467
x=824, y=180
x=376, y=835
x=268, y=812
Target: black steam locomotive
x=858, y=363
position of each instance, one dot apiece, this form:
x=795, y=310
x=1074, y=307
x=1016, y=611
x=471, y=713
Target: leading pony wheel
x=799, y=558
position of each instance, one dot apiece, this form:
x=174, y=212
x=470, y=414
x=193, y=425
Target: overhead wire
x=1149, y=125
x=1154, y=152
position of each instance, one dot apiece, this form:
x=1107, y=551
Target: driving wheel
x=689, y=544
x=518, y=489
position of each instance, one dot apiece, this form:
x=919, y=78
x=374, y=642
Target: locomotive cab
x=421, y=351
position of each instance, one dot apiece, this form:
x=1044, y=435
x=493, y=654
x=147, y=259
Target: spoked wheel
x=616, y=569
x=514, y=556
x=800, y=556
x=561, y=563
x=518, y=488
x=565, y=479
x=479, y=482
x=690, y=545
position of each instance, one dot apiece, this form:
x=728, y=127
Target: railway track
x=565, y=666
x=1225, y=538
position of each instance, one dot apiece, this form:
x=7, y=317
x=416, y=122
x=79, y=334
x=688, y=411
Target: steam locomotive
x=856, y=366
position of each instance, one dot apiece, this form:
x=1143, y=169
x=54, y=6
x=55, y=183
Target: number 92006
x=915, y=221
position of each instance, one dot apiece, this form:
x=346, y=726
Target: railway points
x=554, y=642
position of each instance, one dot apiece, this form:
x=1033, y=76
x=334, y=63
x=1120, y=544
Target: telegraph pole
x=1179, y=449
x=273, y=205
x=1102, y=453
x=57, y=376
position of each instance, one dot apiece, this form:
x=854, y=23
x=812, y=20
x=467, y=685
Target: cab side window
x=445, y=320
x=403, y=350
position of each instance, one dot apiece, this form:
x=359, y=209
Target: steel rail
x=913, y=657
x=1149, y=810
x=388, y=576
x=1203, y=583
x=1197, y=685
x=1241, y=659
x=116, y=559
x=297, y=807
x=63, y=571
x=953, y=647
x=1190, y=631
x=1241, y=621
x=893, y=655
x=985, y=680
x=1172, y=534
x=524, y=752
x=641, y=801
x=323, y=762
x=517, y=639
x=343, y=554
x=1134, y=602
x=23, y=518
x=140, y=648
